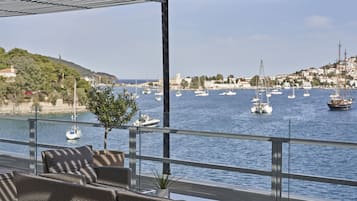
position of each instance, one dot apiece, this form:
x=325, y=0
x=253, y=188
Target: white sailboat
x=292, y=96
x=261, y=104
x=136, y=95
x=74, y=133
x=201, y=92
x=306, y=93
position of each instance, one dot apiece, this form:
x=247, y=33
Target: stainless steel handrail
x=276, y=175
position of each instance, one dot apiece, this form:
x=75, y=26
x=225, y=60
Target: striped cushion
x=7, y=187
x=71, y=160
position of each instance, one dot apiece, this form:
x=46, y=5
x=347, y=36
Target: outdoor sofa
x=80, y=165
x=84, y=167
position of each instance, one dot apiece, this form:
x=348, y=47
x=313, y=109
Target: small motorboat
x=146, y=120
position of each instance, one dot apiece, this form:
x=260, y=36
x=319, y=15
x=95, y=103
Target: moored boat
x=74, y=133
x=146, y=120
x=339, y=101
x=261, y=105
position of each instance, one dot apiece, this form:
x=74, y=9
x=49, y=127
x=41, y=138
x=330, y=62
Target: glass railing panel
x=321, y=160
x=318, y=191
x=14, y=129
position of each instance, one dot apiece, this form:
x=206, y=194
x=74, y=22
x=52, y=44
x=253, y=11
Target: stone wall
x=45, y=108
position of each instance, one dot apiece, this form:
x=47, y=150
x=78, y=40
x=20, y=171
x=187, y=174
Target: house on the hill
x=9, y=74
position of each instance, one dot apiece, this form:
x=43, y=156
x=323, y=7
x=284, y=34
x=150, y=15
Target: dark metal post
x=276, y=168
x=166, y=77
x=33, y=142
x=132, y=156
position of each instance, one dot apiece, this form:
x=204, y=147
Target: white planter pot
x=164, y=193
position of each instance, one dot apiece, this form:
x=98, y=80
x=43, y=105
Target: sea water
x=302, y=117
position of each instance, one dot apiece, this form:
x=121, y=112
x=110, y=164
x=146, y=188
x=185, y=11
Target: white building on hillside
x=8, y=72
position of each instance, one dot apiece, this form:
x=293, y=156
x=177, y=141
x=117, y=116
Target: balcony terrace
x=194, y=177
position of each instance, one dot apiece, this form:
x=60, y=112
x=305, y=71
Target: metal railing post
x=276, y=168
x=132, y=156
x=33, y=145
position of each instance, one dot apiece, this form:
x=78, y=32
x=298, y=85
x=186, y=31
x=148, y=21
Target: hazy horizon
x=206, y=36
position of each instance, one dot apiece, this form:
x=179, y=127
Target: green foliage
x=219, y=77
x=184, y=84
x=111, y=110
x=194, y=83
x=254, y=81
x=48, y=79
x=162, y=181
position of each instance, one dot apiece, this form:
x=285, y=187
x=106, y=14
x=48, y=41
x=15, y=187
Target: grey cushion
x=71, y=160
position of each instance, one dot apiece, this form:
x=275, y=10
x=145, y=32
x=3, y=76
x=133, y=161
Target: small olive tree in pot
x=112, y=110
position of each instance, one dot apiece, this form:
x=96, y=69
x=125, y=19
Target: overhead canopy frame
x=10, y=8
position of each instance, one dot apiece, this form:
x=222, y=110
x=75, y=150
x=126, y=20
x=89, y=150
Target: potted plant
x=112, y=110
x=162, y=183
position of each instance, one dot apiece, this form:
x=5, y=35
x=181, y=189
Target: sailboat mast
x=75, y=100
x=338, y=69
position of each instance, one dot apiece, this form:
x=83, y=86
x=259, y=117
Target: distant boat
x=339, y=100
x=136, y=95
x=204, y=93
x=200, y=92
x=159, y=92
x=292, y=96
x=255, y=99
x=228, y=93
x=147, y=121
x=146, y=91
x=74, y=133
x=158, y=98
x=276, y=92
x=262, y=104
x=306, y=93
x=178, y=93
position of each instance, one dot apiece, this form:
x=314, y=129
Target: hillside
x=27, y=77
x=85, y=72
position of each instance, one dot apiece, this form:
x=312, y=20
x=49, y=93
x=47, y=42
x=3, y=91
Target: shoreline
x=45, y=108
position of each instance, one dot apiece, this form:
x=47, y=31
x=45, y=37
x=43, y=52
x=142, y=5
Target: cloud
x=318, y=22
x=260, y=37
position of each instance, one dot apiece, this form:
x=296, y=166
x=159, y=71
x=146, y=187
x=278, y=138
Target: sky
x=206, y=36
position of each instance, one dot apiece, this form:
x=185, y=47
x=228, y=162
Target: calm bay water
x=308, y=117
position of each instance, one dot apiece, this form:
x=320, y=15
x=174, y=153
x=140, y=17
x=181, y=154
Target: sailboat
x=199, y=92
x=158, y=94
x=262, y=104
x=136, y=95
x=292, y=96
x=306, y=93
x=339, y=100
x=74, y=133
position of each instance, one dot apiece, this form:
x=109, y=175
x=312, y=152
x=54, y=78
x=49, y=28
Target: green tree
x=219, y=77
x=111, y=110
x=184, y=84
x=194, y=83
x=254, y=80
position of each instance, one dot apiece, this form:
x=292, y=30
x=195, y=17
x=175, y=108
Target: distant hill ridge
x=85, y=72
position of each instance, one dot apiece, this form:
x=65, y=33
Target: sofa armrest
x=70, y=178
x=31, y=188
x=114, y=176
